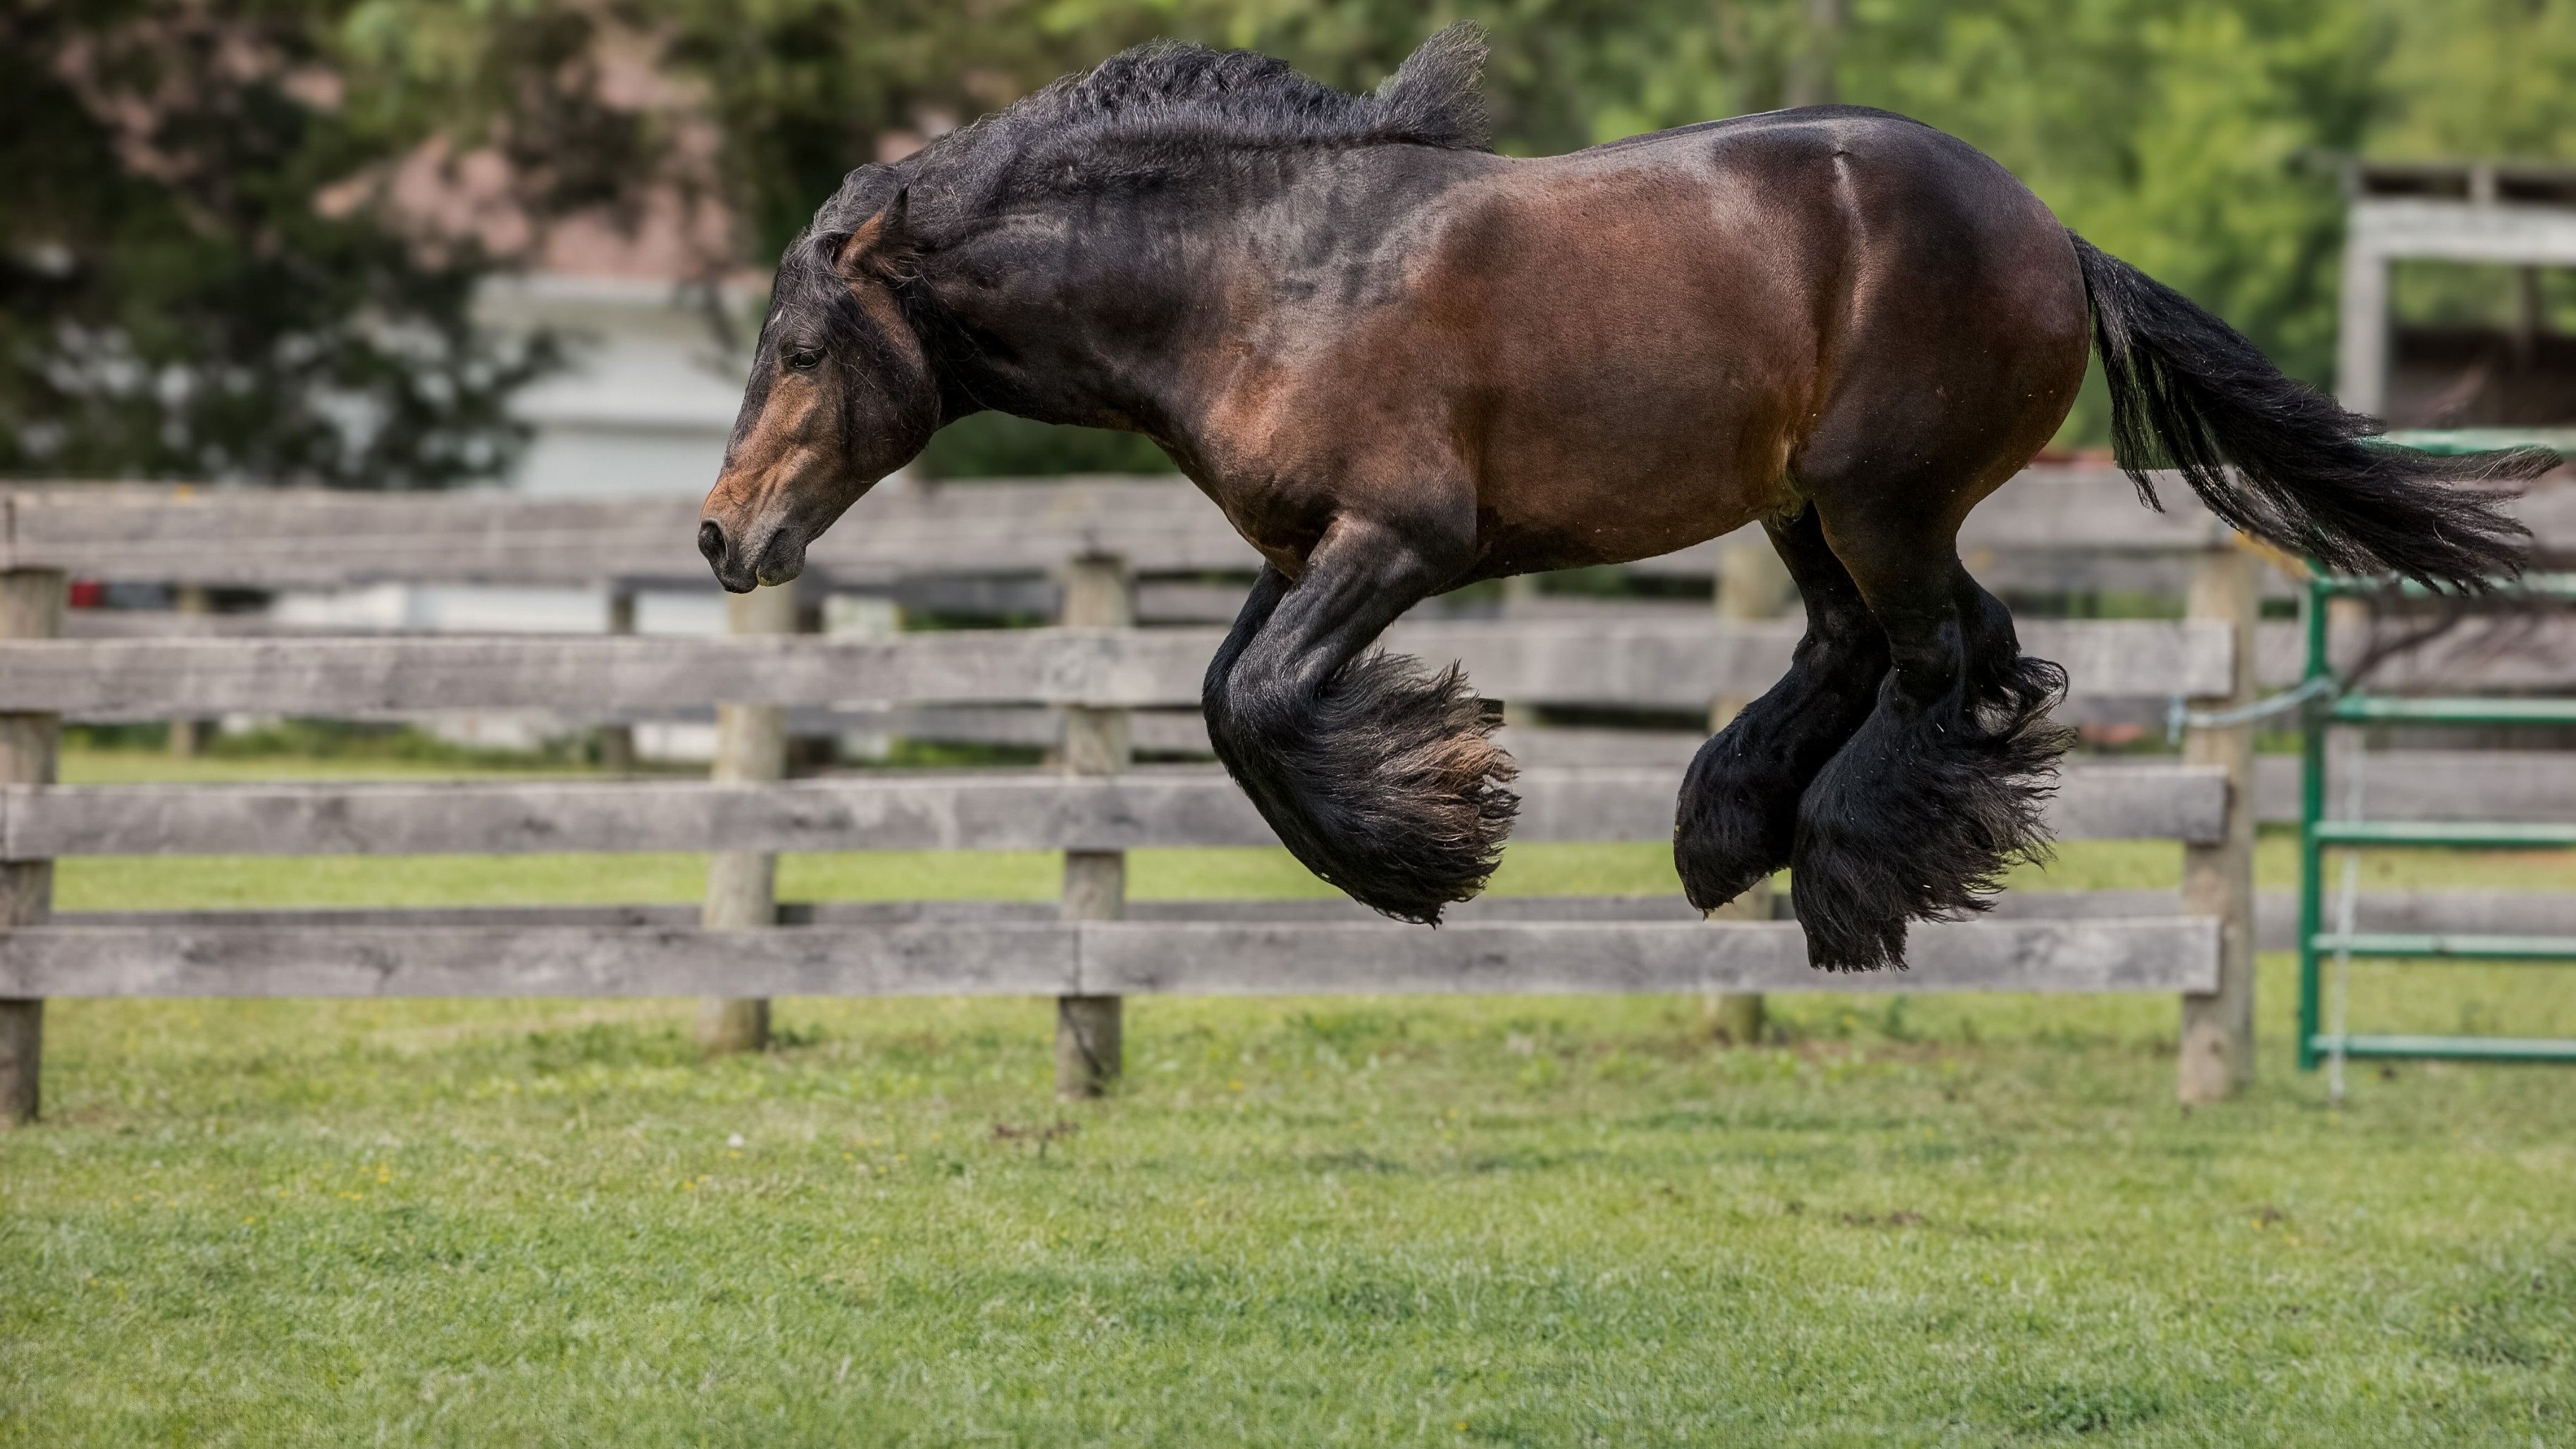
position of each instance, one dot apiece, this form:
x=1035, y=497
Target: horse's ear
x=881, y=244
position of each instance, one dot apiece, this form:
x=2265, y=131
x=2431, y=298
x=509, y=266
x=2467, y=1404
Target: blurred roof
x=2527, y=183
x=670, y=225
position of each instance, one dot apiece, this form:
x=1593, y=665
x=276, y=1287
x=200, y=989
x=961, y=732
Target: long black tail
x=2190, y=393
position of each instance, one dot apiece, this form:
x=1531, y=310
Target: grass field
x=1358, y=1220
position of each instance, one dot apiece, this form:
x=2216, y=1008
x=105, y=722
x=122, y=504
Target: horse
x=1400, y=363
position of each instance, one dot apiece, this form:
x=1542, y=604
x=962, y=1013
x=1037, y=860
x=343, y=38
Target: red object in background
x=85, y=593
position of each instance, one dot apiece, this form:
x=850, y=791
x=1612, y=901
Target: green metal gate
x=2330, y=704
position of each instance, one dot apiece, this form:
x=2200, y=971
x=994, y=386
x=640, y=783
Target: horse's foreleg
x=1379, y=777
x=1943, y=785
x=1738, y=815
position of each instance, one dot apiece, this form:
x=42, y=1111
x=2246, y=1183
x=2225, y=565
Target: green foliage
x=189, y=285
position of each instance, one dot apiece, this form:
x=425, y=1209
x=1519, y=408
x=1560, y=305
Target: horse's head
x=841, y=389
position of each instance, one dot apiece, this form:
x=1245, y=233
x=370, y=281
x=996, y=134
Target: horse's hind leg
x=1942, y=787
x=1738, y=815
x=1380, y=777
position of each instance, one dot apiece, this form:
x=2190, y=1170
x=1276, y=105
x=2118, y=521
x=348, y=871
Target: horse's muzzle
x=741, y=566
x=732, y=570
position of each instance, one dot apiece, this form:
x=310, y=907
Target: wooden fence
x=1092, y=536
x=2053, y=527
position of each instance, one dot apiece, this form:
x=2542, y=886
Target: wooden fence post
x=742, y=885
x=31, y=607
x=617, y=741
x=1752, y=583
x=1089, y=1030
x=2218, y=879
x=1519, y=592
x=188, y=736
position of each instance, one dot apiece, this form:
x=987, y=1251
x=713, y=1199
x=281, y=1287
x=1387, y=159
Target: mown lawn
x=1540, y=1221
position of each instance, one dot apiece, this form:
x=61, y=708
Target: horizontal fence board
x=2525, y=913
x=2517, y=786
x=1165, y=601
x=998, y=811
x=908, y=913
x=949, y=958
x=1091, y=957
x=1536, y=958
x=2512, y=653
x=1651, y=664
x=2525, y=652
x=317, y=538
x=360, y=678
x=2455, y=785
x=309, y=538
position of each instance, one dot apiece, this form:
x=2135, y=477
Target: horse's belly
x=1597, y=515
x=1635, y=451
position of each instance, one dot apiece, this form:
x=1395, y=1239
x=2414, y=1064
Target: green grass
x=1966, y=1220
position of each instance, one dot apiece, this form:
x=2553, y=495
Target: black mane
x=1167, y=108
x=1155, y=112
x=1241, y=97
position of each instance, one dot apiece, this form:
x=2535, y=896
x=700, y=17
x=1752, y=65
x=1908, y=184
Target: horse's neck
x=1135, y=321
x=1096, y=326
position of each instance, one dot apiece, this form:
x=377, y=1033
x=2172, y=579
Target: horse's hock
x=1087, y=688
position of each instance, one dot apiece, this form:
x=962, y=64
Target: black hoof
x=1731, y=828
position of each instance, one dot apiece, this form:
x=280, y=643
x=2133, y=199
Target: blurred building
x=2457, y=375
x=650, y=394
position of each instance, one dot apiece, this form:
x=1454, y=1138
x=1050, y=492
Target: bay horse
x=1401, y=363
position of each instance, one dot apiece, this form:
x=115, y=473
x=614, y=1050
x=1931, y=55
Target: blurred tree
x=2475, y=79
x=2479, y=78
x=195, y=280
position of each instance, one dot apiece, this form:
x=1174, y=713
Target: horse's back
x=1626, y=349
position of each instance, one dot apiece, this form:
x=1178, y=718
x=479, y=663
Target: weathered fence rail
x=1015, y=811
x=1082, y=958
x=1659, y=663
x=266, y=538
x=2417, y=912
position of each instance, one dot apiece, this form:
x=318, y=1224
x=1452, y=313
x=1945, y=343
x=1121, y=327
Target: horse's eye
x=805, y=359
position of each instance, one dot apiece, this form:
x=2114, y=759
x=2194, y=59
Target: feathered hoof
x=1919, y=821
x=1389, y=786
x=1730, y=829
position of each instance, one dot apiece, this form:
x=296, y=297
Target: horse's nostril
x=711, y=542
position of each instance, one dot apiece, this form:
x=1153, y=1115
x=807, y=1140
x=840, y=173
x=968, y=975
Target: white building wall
x=650, y=396
x=642, y=410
